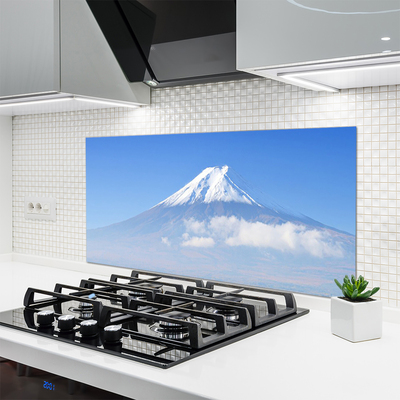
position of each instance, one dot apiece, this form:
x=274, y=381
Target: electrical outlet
x=40, y=208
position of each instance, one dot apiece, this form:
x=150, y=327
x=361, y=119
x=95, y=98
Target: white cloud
x=287, y=237
x=199, y=242
x=185, y=236
x=166, y=241
x=196, y=227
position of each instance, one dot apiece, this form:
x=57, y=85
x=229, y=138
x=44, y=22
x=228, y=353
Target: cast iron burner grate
x=157, y=319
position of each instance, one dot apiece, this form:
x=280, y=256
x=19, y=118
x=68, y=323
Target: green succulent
x=352, y=288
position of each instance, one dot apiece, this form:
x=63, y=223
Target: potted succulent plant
x=356, y=316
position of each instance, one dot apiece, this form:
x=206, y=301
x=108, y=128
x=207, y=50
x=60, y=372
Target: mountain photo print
x=274, y=209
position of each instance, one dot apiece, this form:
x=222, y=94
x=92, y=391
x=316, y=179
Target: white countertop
x=298, y=360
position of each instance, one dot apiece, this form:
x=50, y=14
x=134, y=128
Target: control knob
x=112, y=333
x=89, y=327
x=66, y=322
x=45, y=318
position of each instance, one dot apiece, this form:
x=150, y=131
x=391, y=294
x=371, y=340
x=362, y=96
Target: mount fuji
x=211, y=185
x=218, y=226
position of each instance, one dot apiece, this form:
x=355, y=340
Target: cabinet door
x=29, y=47
x=6, y=185
x=281, y=32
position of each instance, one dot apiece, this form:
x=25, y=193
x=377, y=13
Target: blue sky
x=312, y=171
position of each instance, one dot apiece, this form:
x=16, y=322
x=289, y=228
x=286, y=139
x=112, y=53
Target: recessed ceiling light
x=386, y=51
x=152, y=82
x=385, y=38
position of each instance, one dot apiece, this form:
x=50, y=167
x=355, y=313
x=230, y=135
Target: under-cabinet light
x=341, y=69
x=110, y=103
x=34, y=102
x=60, y=99
x=310, y=85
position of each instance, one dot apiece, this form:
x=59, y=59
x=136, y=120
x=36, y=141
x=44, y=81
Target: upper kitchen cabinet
x=320, y=44
x=54, y=57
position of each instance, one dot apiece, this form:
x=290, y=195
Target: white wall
x=49, y=158
x=5, y=185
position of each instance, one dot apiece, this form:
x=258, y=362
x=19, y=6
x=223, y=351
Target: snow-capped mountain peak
x=212, y=184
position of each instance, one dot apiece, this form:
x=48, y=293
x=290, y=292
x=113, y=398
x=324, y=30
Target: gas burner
x=175, y=332
x=175, y=315
x=138, y=294
x=86, y=306
x=230, y=314
x=171, y=329
x=85, y=310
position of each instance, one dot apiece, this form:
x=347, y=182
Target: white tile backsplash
x=49, y=158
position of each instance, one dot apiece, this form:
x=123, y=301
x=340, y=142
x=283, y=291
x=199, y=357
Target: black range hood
x=171, y=42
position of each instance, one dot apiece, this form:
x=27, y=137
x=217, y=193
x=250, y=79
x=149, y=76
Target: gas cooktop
x=157, y=319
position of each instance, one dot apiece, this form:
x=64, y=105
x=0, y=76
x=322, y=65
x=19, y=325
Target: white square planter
x=356, y=321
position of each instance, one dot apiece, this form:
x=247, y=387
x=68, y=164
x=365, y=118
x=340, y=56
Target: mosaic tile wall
x=49, y=158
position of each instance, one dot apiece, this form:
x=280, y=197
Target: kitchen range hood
x=54, y=57
x=322, y=45
x=177, y=42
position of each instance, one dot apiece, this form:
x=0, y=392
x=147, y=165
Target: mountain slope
x=217, y=228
